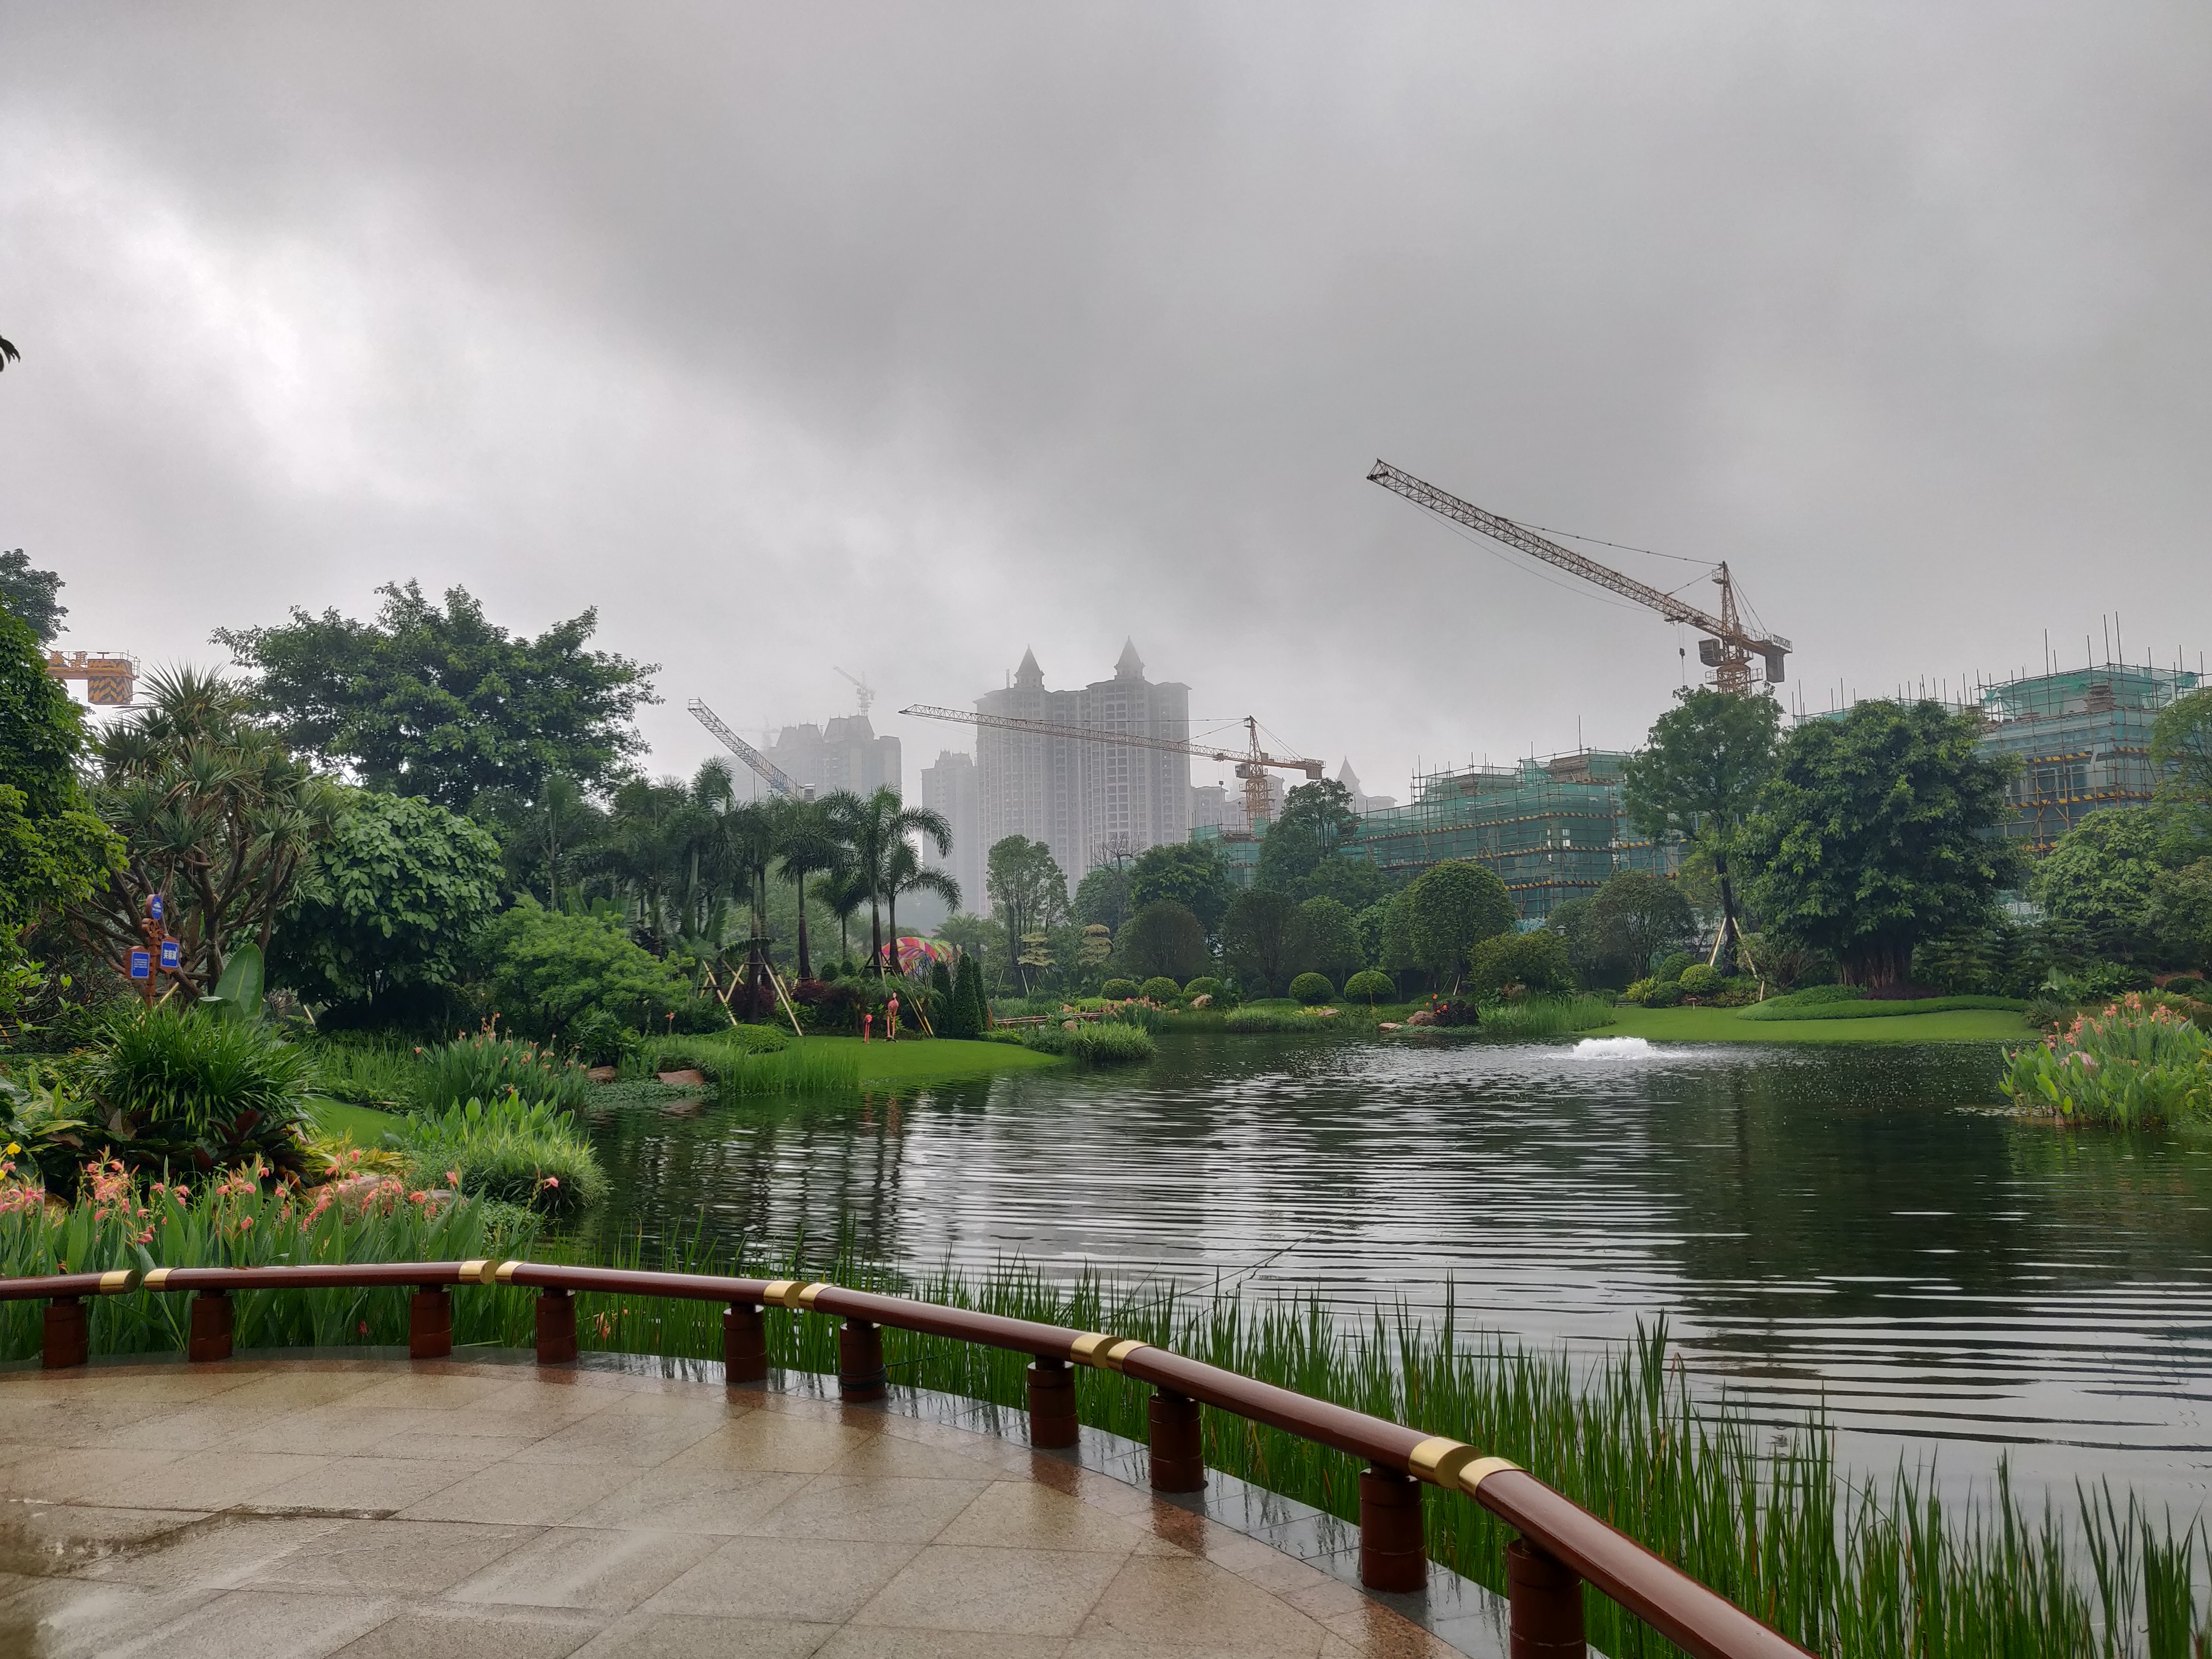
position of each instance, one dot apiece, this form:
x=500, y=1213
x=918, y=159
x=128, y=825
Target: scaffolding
x=2082, y=739
x=1550, y=828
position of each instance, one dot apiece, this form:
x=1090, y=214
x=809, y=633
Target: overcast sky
x=904, y=338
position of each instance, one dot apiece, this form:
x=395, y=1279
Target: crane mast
x=770, y=773
x=1251, y=764
x=1727, y=650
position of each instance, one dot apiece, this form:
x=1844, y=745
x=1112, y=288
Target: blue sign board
x=155, y=907
x=142, y=964
x=170, y=958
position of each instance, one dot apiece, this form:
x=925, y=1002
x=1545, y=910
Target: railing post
x=1051, y=1404
x=860, y=1374
x=556, y=1327
x=1393, y=1554
x=430, y=1323
x=1543, y=1602
x=744, y=1343
x=67, y=1334
x=1178, y=1452
x=210, y=1314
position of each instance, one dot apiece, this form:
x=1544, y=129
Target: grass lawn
x=932, y=1060
x=364, y=1124
x=1724, y=1025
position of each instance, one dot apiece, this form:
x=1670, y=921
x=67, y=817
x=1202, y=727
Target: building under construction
x=2083, y=739
x=1550, y=830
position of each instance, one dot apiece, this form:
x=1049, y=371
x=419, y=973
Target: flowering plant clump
x=487, y=1065
x=2135, y=1063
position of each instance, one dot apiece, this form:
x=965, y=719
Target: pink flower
x=552, y=1181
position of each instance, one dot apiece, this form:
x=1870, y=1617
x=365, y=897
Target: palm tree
x=875, y=828
x=649, y=850
x=806, y=837
x=842, y=892
x=907, y=874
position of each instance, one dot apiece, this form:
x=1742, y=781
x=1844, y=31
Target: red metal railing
x=1561, y=1544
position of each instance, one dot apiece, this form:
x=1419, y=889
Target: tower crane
x=865, y=693
x=1728, y=647
x=770, y=773
x=1252, y=763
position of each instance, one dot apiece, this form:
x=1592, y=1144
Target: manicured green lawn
x=933, y=1059
x=364, y=1124
x=1724, y=1025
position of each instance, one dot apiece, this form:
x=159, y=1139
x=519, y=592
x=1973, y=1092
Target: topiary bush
x=1311, y=989
x=1160, y=988
x=1370, y=986
x=1118, y=990
x=1204, y=986
x=1665, y=994
x=1701, y=979
x=1671, y=967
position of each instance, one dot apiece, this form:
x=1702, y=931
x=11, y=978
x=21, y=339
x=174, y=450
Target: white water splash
x=1612, y=1048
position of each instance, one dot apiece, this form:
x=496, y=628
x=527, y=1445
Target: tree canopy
x=1162, y=937
x=34, y=597
x=1186, y=872
x=1634, y=917
x=1877, y=830
x=1028, y=894
x=2097, y=880
x=1102, y=898
x=1451, y=910
x=441, y=703
x=1329, y=940
x=2181, y=750
x=1699, y=776
x=1258, y=935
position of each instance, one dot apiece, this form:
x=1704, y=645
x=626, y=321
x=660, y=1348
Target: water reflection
x=1855, y=1224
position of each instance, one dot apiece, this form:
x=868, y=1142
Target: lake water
x=1857, y=1224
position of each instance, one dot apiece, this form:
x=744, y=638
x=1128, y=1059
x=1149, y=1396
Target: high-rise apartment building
x=844, y=754
x=948, y=787
x=1089, y=802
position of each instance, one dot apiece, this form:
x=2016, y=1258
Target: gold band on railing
x=1481, y=1469
x=808, y=1291
x=157, y=1279
x=1106, y=1353
x=505, y=1274
x=114, y=1284
x=1439, y=1459
x=478, y=1272
x=792, y=1293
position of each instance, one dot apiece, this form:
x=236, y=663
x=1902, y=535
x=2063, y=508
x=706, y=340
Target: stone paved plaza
x=373, y=1508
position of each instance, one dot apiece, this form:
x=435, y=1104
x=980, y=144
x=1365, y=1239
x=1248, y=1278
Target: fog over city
x=906, y=338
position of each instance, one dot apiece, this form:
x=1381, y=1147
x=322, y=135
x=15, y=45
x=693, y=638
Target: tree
x=54, y=850
x=1027, y=891
x=390, y=903
x=1258, y=936
x=974, y=937
x=1700, y=776
x=1451, y=908
x=549, y=970
x=1186, y=872
x=1102, y=897
x=1315, y=819
x=548, y=841
x=2181, y=913
x=2097, y=879
x=1329, y=940
x=34, y=596
x=873, y=830
x=906, y=873
x=1637, y=915
x=1162, y=937
x=964, y=1009
x=443, y=703
x=2181, y=751
x=1354, y=882
x=214, y=815
x=806, y=838
x=1877, y=830
x=1534, y=963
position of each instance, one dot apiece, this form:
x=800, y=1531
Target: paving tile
x=769, y=1440
x=45, y=1540
x=73, y=1475
x=1012, y=1592
x=1197, y=1604
x=606, y=1569
x=1374, y=1632
x=712, y=1501
x=892, y=1510
x=213, y=1479
x=472, y=1452
x=709, y=1407
x=433, y=1631
x=330, y=1430
x=882, y=1455
x=637, y=1440
x=856, y=1643
x=262, y=1624
x=301, y=1390
x=220, y=1551
x=94, y=1421
x=391, y=1556
x=380, y=1483
x=797, y=1581
x=70, y=1618
x=701, y=1636
x=515, y=1493
x=433, y=1393
x=1017, y=1514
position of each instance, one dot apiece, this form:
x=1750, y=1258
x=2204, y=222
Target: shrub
x=488, y=1068
x=599, y=1039
x=1663, y=994
x=1701, y=979
x=1094, y=1042
x=1371, y=986
x=2187, y=985
x=1544, y=1017
x=192, y=1090
x=1160, y=988
x=1204, y=986
x=1670, y=968
x=1638, y=991
x=1311, y=989
x=1535, y=963
x=1163, y=938
x=1119, y=990
x=964, y=1018
x=548, y=968
x=2133, y=1064
x=509, y=1150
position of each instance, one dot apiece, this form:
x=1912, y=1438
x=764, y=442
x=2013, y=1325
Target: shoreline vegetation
x=1844, y=1564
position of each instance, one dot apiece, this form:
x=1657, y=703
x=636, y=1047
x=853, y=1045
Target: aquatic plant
x=1544, y=1017
x=486, y=1066
x=1093, y=1042
x=511, y=1150
x=2135, y=1063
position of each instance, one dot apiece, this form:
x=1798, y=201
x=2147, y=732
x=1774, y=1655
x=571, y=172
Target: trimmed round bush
x=1371, y=985
x=1204, y=986
x=1160, y=988
x=1665, y=994
x=1118, y=990
x=1310, y=988
x=1701, y=979
x=1673, y=967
